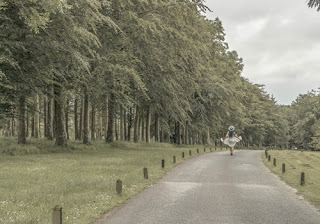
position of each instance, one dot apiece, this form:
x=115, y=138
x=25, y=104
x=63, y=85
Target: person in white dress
x=231, y=139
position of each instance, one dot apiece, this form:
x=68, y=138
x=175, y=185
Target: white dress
x=231, y=141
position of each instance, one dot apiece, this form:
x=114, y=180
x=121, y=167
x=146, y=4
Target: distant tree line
x=303, y=117
x=131, y=70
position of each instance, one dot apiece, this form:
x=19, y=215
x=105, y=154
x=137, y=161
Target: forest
x=135, y=70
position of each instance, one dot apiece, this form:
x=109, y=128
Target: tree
x=314, y=4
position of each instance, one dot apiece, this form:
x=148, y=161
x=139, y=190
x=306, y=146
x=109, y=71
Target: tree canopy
x=127, y=68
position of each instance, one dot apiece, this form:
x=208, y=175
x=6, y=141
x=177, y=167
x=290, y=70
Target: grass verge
x=80, y=178
x=295, y=163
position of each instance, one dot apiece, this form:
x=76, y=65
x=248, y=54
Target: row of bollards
x=302, y=177
x=57, y=210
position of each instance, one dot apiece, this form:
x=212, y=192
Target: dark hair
x=231, y=134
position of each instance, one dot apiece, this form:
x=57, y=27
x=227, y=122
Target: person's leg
x=232, y=149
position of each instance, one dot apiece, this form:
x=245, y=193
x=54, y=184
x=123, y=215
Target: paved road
x=217, y=188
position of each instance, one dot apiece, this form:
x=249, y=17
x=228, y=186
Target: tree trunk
x=8, y=132
x=81, y=120
x=125, y=125
x=136, y=125
x=175, y=139
x=156, y=127
x=111, y=110
x=100, y=122
x=45, y=128
x=27, y=121
x=106, y=118
x=86, y=118
x=13, y=126
x=93, y=122
x=39, y=121
x=129, y=124
x=22, y=128
x=50, y=115
x=183, y=135
x=178, y=133
x=67, y=119
x=203, y=139
x=116, y=127
x=148, y=121
x=121, y=124
x=187, y=142
x=142, y=126
x=75, y=111
x=32, y=127
x=161, y=135
x=168, y=133
x=139, y=128
x=61, y=134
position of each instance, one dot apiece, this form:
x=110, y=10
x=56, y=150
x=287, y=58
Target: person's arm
x=238, y=137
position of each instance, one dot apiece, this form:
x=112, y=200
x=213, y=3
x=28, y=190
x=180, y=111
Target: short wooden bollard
x=174, y=159
x=182, y=154
x=269, y=158
x=210, y=150
x=302, y=178
x=145, y=173
x=274, y=162
x=197, y=150
x=283, y=168
x=119, y=187
x=162, y=163
x=204, y=149
x=266, y=153
x=57, y=215
x=190, y=152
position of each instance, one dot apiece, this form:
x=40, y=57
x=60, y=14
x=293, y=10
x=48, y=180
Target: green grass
x=80, y=178
x=297, y=162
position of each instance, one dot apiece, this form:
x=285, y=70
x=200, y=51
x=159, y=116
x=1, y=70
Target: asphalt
x=217, y=188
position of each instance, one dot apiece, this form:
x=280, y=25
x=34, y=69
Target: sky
x=279, y=42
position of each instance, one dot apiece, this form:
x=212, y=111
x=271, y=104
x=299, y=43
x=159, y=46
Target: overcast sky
x=279, y=42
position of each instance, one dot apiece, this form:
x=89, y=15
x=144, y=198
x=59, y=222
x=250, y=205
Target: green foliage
x=305, y=118
x=162, y=55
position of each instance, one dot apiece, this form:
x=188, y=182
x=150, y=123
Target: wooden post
x=145, y=173
x=204, y=149
x=190, y=152
x=57, y=215
x=174, y=159
x=119, y=187
x=274, y=162
x=162, y=163
x=302, y=179
x=283, y=168
x=197, y=150
x=266, y=153
x=269, y=158
x=182, y=154
x=210, y=150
